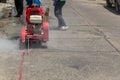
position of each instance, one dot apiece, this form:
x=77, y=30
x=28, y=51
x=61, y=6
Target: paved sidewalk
x=80, y=53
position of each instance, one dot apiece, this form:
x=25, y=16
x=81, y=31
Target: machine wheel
x=21, y=45
x=26, y=44
x=108, y=3
x=44, y=45
x=117, y=7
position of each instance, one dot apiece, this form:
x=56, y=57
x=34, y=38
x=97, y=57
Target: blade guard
x=23, y=34
x=46, y=31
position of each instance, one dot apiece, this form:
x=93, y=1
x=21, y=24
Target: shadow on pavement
x=112, y=9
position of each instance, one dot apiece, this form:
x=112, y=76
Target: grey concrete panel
x=9, y=64
x=75, y=32
x=79, y=44
x=71, y=66
x=115, y=41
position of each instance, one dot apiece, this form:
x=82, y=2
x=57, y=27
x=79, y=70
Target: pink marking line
x=21, y=65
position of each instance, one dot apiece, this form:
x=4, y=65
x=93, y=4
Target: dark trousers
x=19, y=6
x=58, y=14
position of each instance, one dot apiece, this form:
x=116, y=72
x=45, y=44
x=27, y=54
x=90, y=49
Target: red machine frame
x=28, y=33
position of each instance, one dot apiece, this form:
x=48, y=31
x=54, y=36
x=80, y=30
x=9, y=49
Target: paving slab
x=9, y=64
x=76, y=31
x=115, y=42
x=69, y=66
x=80, y=53
x=78, y=44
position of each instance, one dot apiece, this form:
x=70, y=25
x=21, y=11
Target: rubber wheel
x=44, y=45
x=21, y=45
x=117, y=7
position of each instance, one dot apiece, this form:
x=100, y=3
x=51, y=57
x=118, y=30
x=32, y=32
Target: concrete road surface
x=88, y=50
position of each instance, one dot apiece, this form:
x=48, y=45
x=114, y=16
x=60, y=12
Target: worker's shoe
x=17, y=15
x=66, y=27
x=63, y=28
